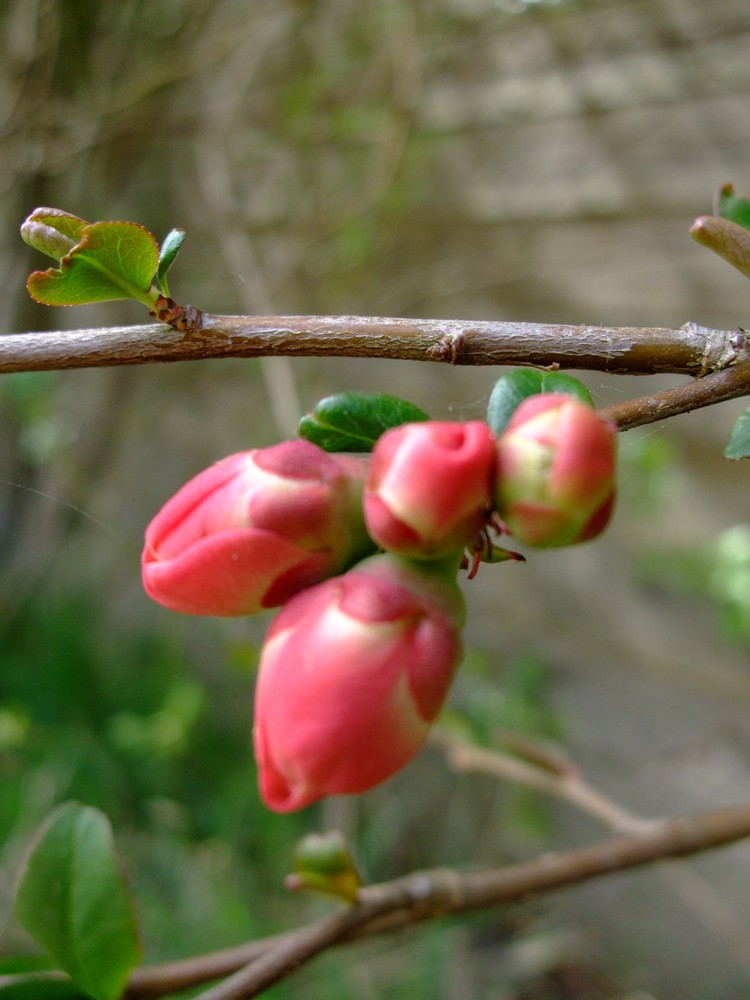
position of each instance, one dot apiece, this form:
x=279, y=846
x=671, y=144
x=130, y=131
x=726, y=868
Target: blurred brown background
x=453, y=158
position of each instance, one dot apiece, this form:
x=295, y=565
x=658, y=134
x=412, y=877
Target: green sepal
x=728, y=239
x=167, y=256
x=493, y=554
x=732, y=206
x=73, y=899
x=353, y=421
x=323, y=862
x=738, y=445
x=512, y=388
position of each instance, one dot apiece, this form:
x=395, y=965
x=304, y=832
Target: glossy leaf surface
x=167, y=256
x=517, y=385
x=353, y=421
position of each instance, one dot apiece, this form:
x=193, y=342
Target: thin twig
x=690, y=350
x=284, y=957
x=731, y=383
x=465, y=757
x=441, y=892
x=571, y=786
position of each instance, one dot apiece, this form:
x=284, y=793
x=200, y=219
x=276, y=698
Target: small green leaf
x=728, y=239
x=517, y=385
x=112, y=260
x=732, y=206
x=353, y=421
x=738, y=445
x=52, y=231
x=167, y=255
x=73, y=899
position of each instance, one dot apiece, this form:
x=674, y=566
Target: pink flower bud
x=556, y=472
x=255, y=528
x=352, y=674
x=430, y=487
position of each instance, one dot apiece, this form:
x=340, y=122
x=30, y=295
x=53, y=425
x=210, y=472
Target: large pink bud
x=430, y=486
x=556, y=472
x=352, y=674
x=255, y=528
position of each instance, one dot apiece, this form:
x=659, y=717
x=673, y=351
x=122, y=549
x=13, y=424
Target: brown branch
x=436, y=893
x=718, y=387
x=690, y=350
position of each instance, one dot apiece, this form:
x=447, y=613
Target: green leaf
x=353, y=421
x=24, y=963
x=167, y=255
x=738, y=445
x=509, y=392
x=728, y=239
x=732, y=206
x=112, y=260
x=38, y=986
x=512, y=388
x=33, y=977
x=566, y=385
x=52, y=231
x=73, y=899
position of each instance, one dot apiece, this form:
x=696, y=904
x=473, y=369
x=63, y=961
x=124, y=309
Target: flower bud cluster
x=362, y=557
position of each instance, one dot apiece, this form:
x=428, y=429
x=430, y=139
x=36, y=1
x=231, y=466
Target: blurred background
x=493, y=159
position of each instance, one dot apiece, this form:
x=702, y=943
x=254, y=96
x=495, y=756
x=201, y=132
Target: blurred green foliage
x=29, y=399
x=115, y=719
x=121, y=719
x=714, y=573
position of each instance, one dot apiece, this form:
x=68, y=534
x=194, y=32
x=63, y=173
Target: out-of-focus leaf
x=353, y=421
x=738, y=445
x=112, y=260
x=512, y=388
x=726, y=238
x=38, y=986
x=732, y=206
x=167, y=255
x=73, y=899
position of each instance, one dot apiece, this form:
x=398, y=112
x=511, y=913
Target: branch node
x=450, y=348
x=189, y=321
x=721, y=348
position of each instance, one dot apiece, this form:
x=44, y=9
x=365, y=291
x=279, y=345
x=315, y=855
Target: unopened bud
x=555, y=480
x=429, y=488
